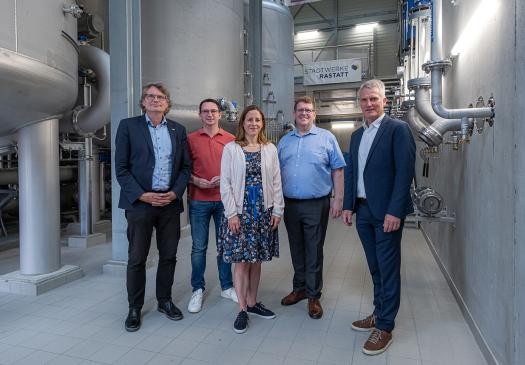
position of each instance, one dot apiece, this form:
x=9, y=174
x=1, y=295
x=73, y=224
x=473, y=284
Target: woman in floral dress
x=253, y=206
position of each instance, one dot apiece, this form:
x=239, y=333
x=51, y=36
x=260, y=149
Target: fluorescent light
x=365, y=27
x=343, y=125
x=480, y=17
x=307, y=34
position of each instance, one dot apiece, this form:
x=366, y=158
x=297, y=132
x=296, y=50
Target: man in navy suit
x=377, y=189
x=153, y=167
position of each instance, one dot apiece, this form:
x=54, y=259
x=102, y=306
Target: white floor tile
x=83, y=321
x=36, y=358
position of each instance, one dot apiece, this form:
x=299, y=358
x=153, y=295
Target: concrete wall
x=483, y=183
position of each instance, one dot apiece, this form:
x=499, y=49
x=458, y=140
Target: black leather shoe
x=132, y=323
x=169, y=309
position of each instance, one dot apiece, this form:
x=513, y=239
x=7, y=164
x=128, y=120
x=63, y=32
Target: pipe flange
x=421, y=82
x=442, y=65
x=431, y=136
x=421, y=11
x=492, y=104
x=407, y=104
x=427, y=200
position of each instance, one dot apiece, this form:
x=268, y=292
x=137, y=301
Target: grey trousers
x=306, y=221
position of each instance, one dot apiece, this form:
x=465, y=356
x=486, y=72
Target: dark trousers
x=383, y=254
x=166, y=222
x=306, y=221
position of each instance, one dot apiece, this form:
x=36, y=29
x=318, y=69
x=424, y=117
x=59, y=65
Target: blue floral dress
x=256, y=241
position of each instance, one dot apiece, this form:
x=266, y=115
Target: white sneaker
x=195, y=304
x=230, y=294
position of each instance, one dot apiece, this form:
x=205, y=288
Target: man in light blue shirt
x=369, y=133
x=311, y=168
x=162, y=147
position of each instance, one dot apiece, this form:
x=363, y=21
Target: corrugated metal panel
x=381, y=44
x=386, y=50
x=350, y=12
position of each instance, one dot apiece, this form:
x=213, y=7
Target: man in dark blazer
x=153, y=168
x=377, y=189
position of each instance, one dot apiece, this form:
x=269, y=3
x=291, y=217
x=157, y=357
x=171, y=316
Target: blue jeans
x=200, y=216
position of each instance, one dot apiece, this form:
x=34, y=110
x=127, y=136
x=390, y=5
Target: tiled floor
x=82, y=322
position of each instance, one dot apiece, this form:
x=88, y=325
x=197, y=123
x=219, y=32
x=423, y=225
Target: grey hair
x=373, y=84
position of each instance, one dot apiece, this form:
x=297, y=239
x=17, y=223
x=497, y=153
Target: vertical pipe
x=85, y=188
x=102, y=187
x=255, y=46
x=39, y=198
x=95, y=187
x=436, y=51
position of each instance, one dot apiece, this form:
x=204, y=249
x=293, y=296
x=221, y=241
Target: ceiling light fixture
x=365, y=27
x=307, y=34
x=343, y=124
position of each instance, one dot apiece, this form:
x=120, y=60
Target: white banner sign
x=332, y=72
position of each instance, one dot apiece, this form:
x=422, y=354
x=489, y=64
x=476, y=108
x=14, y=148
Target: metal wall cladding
x=383, y=41
x=278, y=82
x=38, y=61
x=196, y=49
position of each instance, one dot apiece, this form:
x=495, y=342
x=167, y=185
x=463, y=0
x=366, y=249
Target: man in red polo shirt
x=206, y=145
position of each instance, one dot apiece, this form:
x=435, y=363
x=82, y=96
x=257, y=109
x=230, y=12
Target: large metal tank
x=38, y=82
x=196, y=49
x=38, y=61
x=277, y=51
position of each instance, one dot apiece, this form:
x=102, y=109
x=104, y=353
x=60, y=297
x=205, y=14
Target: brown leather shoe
x=366, y=324
x=377, y=342
x=294, y=297
x=315, y=310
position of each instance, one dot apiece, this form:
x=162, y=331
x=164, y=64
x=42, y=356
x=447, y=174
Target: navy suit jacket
x=388, y=173
x=135, y=161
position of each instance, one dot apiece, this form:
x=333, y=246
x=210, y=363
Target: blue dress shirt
x=367, y=139
x=307, y=162
x=160, y=137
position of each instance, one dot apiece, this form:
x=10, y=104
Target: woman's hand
x=234, y=224
x=274, y=222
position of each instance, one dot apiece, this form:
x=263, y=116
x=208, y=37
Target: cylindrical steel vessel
x=278, y=82
x=38, y=61
x=195, y=61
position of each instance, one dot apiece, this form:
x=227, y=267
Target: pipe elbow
x=415, y=121
x=433, y=135
x=462, y=113
x=85, y=120
x=98, y=114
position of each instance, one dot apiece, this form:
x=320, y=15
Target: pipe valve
x=427, y=200
x=74, y=10
x=230, y=108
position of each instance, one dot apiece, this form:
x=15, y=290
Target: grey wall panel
x=363, y=7
x=481, y=182
x=381, y=44
x=519, y=202
x=7, y=25
x=386, y=50
x=350, y=12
